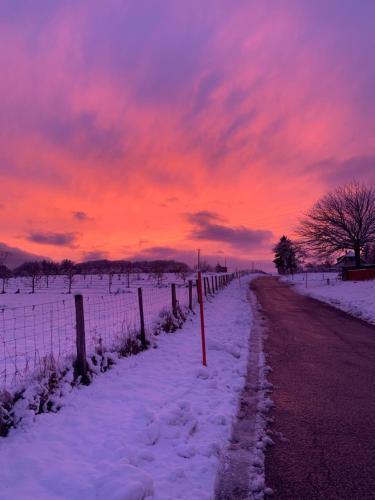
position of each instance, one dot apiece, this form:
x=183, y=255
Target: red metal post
x=200, y=295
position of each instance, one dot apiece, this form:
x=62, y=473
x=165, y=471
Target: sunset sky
x=151, y=128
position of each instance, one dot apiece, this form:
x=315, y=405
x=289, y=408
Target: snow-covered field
x=40, y=327
x=154, y=426
x=88, y=284
x=355, y=297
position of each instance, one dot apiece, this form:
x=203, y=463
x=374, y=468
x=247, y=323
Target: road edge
x=241, y=473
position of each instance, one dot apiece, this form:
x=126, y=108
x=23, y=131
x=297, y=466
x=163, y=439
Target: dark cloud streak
x=81, y=216
x=16, y=256
x=95, y=255
x=334, y=172
x=207, y=227
x=49, y=238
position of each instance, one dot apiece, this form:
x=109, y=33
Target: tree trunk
x=357, y=253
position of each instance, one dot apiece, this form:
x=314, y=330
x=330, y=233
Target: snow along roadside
x=242, y=471
x=353, y=297
x=154, y=426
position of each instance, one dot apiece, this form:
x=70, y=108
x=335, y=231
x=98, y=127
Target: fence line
x=40, y=339
x=93, y=283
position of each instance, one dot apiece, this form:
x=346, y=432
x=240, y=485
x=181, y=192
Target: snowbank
x=153, y=426
x=354, y=297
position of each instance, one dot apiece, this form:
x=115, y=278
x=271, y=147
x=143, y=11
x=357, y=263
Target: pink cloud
x=121, y=106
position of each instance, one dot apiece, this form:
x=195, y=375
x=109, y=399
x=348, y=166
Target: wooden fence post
x=142, y=318
x=213, y=285
x=205, y=287
x=190, y=295
x=208, y=286
x=197, y=285
x=174, y=300
x=81, y=363
x=216, y=284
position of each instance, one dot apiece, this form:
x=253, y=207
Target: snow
x=154, y=426
x=354, y=297
x=37, y=328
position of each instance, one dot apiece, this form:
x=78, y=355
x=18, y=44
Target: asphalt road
x=323, y=363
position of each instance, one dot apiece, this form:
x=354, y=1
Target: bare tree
x=3, y=257
x=5, y=274
x=342, y=219
x=182, y=271
x=48, y=268
x=157, y=273
x=31, y=270
x=111, y=273
x=68, y=269
x=128, y=270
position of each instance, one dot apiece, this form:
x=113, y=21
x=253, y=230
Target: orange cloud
x=138, y=113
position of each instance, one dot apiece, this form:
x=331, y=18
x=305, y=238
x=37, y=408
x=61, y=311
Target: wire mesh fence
x=36, y=340
x=328, y=277
x=91, y=283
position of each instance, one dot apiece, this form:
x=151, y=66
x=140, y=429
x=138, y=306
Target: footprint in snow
x=186, y=451
x=124, y=482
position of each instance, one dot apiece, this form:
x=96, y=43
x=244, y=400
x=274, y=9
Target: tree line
x=342, y=220
x=36, y=270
